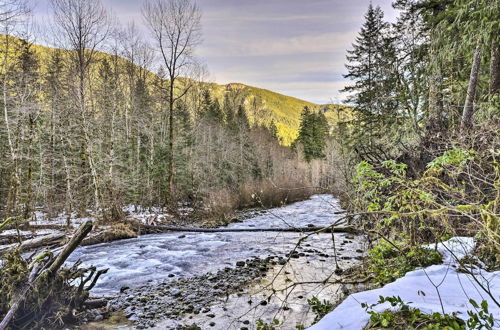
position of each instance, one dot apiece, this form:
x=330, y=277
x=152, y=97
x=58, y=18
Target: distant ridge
x=263, y=106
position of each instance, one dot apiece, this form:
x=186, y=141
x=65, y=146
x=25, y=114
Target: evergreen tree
x=211, y=108
x=365, y=63
x=372, y=68
x=273, y=129
x=313, y=133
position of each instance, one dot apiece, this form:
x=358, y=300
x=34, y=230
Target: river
x=152, y=259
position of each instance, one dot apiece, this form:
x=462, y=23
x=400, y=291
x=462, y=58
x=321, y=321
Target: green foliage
x=406, y=317
x=453, y=157
x=424, y=204
x=482, y=318
x=211, y=108
x=312, y=134
x=319, y=308
x=261, y=325
x=387, y=263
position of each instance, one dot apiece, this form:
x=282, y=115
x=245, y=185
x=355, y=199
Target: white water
x=151, y=258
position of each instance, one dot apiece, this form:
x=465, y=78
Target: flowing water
x=151, y=258
x=156, y=259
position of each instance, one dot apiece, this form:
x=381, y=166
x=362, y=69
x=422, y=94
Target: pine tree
x=273, y=129
x=372, y=68
x=364, y=63
x=211, y=108
x=313, y=133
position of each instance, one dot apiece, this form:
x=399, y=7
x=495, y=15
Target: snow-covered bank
x=455, y=289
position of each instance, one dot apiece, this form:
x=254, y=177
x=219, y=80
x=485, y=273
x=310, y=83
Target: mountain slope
x=263, y=107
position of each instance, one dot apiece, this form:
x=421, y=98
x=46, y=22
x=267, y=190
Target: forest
x=119, y=155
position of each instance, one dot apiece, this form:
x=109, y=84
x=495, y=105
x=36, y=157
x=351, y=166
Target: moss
x=387, y=263
x=403, y=317
x=12, y=275
x=48, y=304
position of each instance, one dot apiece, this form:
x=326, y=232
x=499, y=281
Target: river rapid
x=147, y=263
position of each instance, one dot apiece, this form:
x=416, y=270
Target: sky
x=294, y=47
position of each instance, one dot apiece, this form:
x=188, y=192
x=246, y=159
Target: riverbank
x=154, y=267
x=275, y=287
x=444, y=288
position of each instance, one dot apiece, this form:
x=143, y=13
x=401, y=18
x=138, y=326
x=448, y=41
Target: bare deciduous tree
x=84, y=26
x=175, y=26
x=10, y=9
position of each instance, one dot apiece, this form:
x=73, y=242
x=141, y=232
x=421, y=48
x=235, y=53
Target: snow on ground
x=42, y=219
x=454, y=287
x=23, y=233
x=155, y=215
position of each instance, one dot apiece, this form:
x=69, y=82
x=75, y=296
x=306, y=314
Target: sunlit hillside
x=263, y=107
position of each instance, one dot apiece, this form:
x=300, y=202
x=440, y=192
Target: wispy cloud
x=303, y=44
x=296, y=47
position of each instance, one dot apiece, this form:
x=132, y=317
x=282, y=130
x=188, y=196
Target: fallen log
x=41, y=273
x=149, y=229
x=95, y=303
x=35, y=243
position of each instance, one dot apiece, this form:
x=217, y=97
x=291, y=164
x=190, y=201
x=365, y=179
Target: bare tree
x=471, y=89
x=84, y=26
x=175, y=26
x=11, y=9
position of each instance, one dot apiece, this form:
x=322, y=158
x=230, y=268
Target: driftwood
x=148, y=229
x=35, y=243
x=96, y=303
x=45, y=272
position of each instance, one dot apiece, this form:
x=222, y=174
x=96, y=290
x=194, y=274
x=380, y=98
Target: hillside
x=263, y=106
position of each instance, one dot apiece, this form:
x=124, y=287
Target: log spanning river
x=150, y=261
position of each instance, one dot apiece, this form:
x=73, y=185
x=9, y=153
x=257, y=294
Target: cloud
x=295, y=47
x=304, y=44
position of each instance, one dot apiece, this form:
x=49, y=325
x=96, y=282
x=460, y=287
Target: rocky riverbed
x=173, y=299
x=225, y=280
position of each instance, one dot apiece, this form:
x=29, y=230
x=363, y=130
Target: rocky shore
x=144, y=306
x=234, y=297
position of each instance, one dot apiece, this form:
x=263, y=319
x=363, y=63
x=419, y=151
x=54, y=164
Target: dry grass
x=220, y=205
x=116, y=232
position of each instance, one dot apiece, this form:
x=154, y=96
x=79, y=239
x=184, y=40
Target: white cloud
x=304, y=44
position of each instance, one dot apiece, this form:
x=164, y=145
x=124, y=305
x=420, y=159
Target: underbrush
x=219, y=206
x=455, y=195
x=49, y=305
x=387, y=263
x=403, y=317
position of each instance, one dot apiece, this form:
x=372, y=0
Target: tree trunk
x=170, y=178
x=35, y=243
x=471, y=90
x=35, y=279
x=495, y=68
x=77, y=238
x=435, y=96
x=149, y=229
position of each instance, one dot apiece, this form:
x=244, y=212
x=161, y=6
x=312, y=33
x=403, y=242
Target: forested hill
x=105, y=123
x=264, y=107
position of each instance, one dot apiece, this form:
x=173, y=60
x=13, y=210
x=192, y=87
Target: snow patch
x=455, y=289
x=454, y=249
